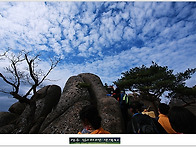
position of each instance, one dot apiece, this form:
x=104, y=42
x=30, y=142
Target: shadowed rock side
x=46, y=100
x=80, y=91
x=191, y=106
x=17, y=108
x=108, y=107
x=6, y=117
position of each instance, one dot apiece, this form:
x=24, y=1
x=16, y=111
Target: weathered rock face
x=7, y=121
x=49, y=98
x=17, y=108
x=59, y=113
x=108, y=107
x=73, y=99
x=7, y=129
x=191, y=104
x=80, y=91
x=179, y=102
x=46, y=100
x=6, y=117
x=68, y=122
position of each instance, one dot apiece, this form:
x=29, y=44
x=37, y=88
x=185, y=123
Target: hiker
x=116, y=94
x=182, y=120
x=163, y=110
x=124, y=107
x=110, y=90
x=149, y=113
x=91, y=121
x=140, y=123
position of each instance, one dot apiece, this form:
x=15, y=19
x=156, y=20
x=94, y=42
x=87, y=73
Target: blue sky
x=104, y=38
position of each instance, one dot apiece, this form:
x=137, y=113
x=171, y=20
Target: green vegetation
x=84, y=85
x=151, y=82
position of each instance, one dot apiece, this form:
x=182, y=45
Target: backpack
x=143, y=124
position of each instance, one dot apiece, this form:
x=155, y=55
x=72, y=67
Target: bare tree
x=23, y=68
x=15, y=76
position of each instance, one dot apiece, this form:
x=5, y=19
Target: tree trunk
x=156, y=109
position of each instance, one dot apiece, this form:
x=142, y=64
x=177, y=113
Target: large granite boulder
x=17, y=108
x=78, y=92
x=108, y=107
x=7, y=121
x=68, y=122
x=45, y=101
x=56, y=112
x=6, y=118
x=7, y=129
x=190, y=105
x=73, y=95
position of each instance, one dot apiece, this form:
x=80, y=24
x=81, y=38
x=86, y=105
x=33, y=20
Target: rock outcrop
x=7, y=121
x=58, y=112
x=108, y=106
x=17, y=108
x=20, y=120
x=46, y=100
x=80, y=91
x=190, y=105
x=6, y=117
x=71, y=102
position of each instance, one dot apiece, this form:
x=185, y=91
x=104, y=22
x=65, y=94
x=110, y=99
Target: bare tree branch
x=20, y=98
x=4, y=91
x=32, y=73
x=53, y=65
x=4, y=54
x=17, y=76
x=32, y=76
x=29, y=91
x=8, y=82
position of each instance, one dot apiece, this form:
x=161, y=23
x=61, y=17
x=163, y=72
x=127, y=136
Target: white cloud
x=128, y=33
x=125, y=15
x=71, y=33
x=40, y=25
x=43, y=47
x=88, y=17
x=45, y=19
x=117, y=33
x=97, y=30
x=83, y=47
x=116, y=19
x=55, y=30
x=65, y=46
x=77, y=27
x=66, y=23
x=162, y=9
x=57, y=48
